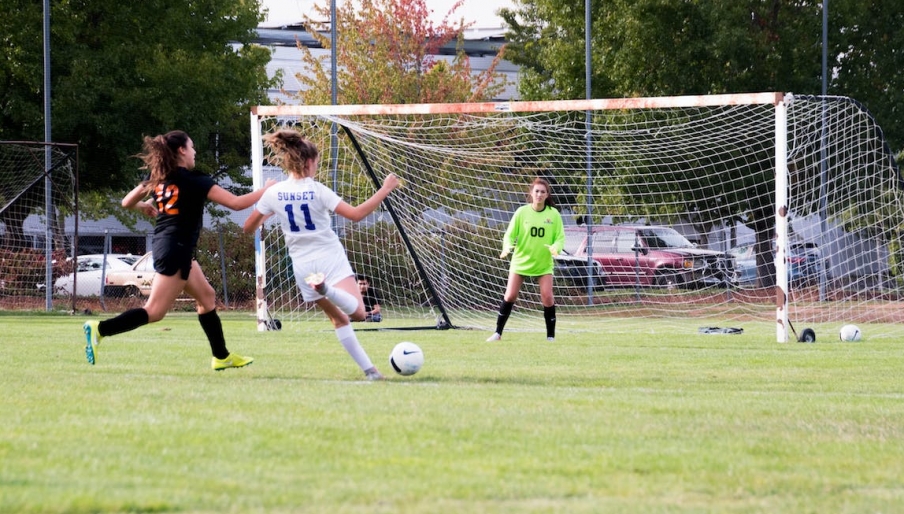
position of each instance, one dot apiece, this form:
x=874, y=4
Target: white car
x=90, y=268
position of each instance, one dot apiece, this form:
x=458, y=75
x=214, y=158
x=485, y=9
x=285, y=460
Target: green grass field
x=629, y=418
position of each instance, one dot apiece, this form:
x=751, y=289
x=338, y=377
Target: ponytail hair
x=290, y=150
x=550, y=202
x=160, y=155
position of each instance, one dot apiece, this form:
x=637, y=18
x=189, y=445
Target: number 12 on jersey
x=305, y=211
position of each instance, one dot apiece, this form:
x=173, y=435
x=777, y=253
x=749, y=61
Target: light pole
x=823, y=188
x=334, y=99
x=588, y=119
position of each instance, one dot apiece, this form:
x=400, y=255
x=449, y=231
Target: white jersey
x=304, y=207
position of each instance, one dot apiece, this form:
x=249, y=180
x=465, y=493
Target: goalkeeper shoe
x=316, y=280
x=92, y=340
x=495, y=337
x=233, y=360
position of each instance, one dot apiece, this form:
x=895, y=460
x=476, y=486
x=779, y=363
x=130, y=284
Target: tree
x=662, y=47
x=122, y=70
x=386, y=53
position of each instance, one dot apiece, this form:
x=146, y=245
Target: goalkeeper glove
x=552, y=250
x=505, y=253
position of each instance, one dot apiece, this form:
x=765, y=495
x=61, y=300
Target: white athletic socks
x=346, y=336
x=345, y=301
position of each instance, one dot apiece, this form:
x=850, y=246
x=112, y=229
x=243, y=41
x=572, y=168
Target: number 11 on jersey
x=305, y=211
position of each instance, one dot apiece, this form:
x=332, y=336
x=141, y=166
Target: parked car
x=805, y=263
x=745, y=264
x=571, y=271
x=651, y=255
x=89, y=269
x=134, y=280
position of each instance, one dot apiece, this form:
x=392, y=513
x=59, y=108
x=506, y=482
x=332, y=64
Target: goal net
x=37, y=191
x=725, y=208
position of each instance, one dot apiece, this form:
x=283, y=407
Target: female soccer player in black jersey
x=177, y=197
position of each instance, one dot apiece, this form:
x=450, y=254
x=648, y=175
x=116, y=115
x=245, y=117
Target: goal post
x=727, y=172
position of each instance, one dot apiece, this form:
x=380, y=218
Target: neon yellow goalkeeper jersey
x=531, y=234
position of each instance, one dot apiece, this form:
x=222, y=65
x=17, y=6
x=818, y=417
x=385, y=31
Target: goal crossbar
x=605, y=104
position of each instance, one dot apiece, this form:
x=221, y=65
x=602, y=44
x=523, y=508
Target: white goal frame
x=778, y=100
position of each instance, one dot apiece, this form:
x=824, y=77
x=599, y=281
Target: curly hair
x=290, y=150
x=160, y=155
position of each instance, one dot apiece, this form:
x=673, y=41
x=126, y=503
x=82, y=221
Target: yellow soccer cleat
x=233, y=360
x=92, y=340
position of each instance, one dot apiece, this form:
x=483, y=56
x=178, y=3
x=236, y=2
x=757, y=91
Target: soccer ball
x=406, y=358
x=849, y=333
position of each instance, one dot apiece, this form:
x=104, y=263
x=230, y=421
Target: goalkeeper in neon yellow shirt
x=534, y=236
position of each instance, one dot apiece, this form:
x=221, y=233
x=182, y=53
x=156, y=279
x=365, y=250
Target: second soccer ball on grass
x=849, y=333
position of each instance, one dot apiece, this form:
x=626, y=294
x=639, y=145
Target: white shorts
x=334, y=269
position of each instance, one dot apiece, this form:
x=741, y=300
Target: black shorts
x=171, y=257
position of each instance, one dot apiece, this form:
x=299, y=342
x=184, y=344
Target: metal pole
x=223, y=274
x=108, y=246
x=588, y=120
x=48, y=164
x=334, y=99
x=823, y=172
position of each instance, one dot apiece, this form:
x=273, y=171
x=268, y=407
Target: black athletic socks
x=549, y=314
x=505, y=309
x=213, y=327
x=128, y=320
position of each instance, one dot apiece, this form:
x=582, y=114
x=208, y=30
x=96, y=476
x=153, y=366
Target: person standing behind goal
x=303, y=206
x=534, y=236
x=179, y=195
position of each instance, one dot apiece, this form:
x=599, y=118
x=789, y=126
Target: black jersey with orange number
x=180, y=206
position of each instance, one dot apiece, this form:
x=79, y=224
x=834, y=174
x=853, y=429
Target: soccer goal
x=722, y=208
x=38, y=189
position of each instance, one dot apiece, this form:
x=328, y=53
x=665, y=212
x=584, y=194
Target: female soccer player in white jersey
x=321, y=267
x=535, y=235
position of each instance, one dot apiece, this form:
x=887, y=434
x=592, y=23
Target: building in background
x=480, y=45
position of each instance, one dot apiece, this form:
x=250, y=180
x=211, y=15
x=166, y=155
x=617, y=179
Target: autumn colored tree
x=387, y=53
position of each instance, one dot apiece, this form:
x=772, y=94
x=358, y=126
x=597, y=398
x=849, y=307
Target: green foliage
x=227, y=243
x=122, y=70
x=22, y=271
x=660, y=47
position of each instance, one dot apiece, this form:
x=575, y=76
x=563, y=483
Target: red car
x=651, y=256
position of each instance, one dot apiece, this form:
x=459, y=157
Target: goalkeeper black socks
x=504, y=311
x=213, y=327
x=549, y=314
x=128, y=320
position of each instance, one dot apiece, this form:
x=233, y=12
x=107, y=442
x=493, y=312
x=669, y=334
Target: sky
x=481, y=12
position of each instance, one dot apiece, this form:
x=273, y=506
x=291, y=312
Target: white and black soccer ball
x=406, y=358
x=849, y=333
